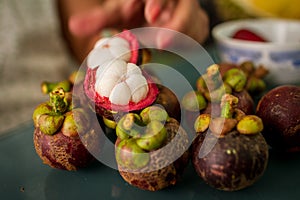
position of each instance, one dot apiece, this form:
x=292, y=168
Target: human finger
x=187, y=18
x=153, y=9
x=88, y=23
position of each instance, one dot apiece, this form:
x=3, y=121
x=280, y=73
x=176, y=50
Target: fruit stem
x=58, y=101
x=247, y=67
x=228, y=105
x=236, y=78
x=47, y=87
x=213, y=77
x=260, y=72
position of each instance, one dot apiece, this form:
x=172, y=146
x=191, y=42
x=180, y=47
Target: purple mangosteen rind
x=235, y=162
x=235, y=153
x=160, y=172
x=60, y=151
x=279, y=110
x=158, y=94
x=62, y=132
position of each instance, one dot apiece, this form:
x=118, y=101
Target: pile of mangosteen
x=229, y=148
x=228, y=152
x=151, y=147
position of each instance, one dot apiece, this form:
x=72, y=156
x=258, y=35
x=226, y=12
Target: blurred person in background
x=47, y=40
x=31, y=51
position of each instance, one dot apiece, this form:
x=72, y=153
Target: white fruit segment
x=107, y=49
x=121, y=82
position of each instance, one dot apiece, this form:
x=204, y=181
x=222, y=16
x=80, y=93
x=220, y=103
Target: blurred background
x=31, y=51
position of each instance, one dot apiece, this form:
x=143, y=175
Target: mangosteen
x=169, y=101
x=255, y=75
x=225, y=66
x=246, y=104
x=229, y=152
x=114, y=83
x=193, y=102
x=279, y=109
x=57, y=125
x=151, y=149
x=217, y=81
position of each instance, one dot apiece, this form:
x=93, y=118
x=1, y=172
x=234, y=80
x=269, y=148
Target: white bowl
x=280, y=55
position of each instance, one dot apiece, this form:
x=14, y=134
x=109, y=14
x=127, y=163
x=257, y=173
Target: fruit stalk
x=58, y=101
x=47, y=87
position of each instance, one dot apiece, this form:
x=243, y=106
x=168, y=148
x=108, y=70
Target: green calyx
x=49, y=124
x=213, y=77
x=139, y=135
x=154, y=136
x=76, y=121
x=222, y=125
x=194, y=101
x=58, y=101
x=152, y=113
x=255, y=85
x=216, y=95
x=109, y=123
x=43, y=108
x=49, y=116
x=48, y=87
x=250, y=124
x=228, y=105
x=202, y=123
x=130, y=125
x=236, y=78
x=130, y=155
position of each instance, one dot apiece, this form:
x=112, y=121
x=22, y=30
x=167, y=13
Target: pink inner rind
x=134, y=45
x=103, y=102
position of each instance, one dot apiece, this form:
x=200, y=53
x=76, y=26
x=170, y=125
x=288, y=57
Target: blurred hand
x=184, y=16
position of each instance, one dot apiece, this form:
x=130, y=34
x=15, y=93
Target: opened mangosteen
x=151, y=149
x=116, y=85
x=57, y=125
x=279, y=110
x=229, y=152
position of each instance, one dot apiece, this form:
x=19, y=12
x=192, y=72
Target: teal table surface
x=24, y=176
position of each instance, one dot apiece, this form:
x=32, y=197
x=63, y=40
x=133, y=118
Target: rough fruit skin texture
x=235, y=162
x=169, y=101
x=279, y=110
x=60, y=151
x=246, y=102
x=147, y=179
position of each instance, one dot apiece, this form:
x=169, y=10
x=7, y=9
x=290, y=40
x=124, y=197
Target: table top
x=24, y=176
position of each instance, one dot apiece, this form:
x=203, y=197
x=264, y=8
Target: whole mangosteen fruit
x=279, y=110
x=57, y=130
x=114, y=83
x=229, y=152
x=151, y=149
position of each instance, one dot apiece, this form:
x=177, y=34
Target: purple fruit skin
x=279, y=110
x=60, y=151
x=235, y=162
